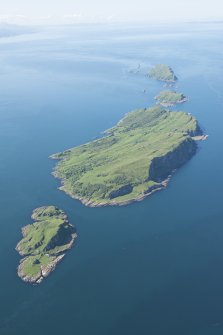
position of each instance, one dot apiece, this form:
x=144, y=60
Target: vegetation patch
x=162, y=72
x=170, y=98
x=44, y=243
x=133, y=160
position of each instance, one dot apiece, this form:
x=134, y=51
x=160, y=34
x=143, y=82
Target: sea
x=154, y=267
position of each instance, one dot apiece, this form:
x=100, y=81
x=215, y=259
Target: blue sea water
x=154, y=267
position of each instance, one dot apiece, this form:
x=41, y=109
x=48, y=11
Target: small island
x=134, y=159
x=44, y=243
x=163, y=72
x=170, y=98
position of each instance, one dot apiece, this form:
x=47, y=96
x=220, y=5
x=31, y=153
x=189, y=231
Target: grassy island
x=134, y=160
x=163, y=72
x=170, y=98
x=44, y=243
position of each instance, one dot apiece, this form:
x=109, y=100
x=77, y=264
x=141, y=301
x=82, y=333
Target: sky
x=69, y=11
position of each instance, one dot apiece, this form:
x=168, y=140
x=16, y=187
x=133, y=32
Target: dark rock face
x=197, y=132
x=162, y=167
x=37, y=245
x=153, y=188
x=63, y=236
x=126, y=189
x=174, y=76
x=36, y=261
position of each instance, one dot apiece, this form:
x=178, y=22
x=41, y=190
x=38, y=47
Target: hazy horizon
x=85, y=11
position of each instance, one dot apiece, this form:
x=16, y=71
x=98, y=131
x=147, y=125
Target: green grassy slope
x=162, y=72
x=48, y=212
x=43, y=240
x=170, y=97
x=117, y=167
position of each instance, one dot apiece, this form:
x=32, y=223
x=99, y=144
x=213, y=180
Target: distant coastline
x=170, y=98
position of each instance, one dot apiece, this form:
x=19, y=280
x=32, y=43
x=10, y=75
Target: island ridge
x=170, y=98
x=163, y=72
x=134, y=159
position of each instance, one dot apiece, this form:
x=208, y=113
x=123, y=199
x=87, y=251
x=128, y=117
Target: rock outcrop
x=161, y=167
x=126, y=189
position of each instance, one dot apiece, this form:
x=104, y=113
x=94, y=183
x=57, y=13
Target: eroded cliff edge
x=133, y=160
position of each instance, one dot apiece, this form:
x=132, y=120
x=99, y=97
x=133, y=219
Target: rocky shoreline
x=46, y=270
x=44, y=244
x=90, y=203
x=93, y=204
x=170, y=98
x=171, y=103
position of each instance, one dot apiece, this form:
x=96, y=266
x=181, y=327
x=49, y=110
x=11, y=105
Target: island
x=44, y=243
x=134, y=159
x=170, y=98
x=163, y=72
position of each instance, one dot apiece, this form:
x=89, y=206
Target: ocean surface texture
x=154, y=267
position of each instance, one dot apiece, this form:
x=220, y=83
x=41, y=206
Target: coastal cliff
x=132, y=161
x=161, y=167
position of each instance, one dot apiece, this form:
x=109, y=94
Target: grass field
x=170, y=97
x=162, y=72
x=43, y=240
x=117, y=166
